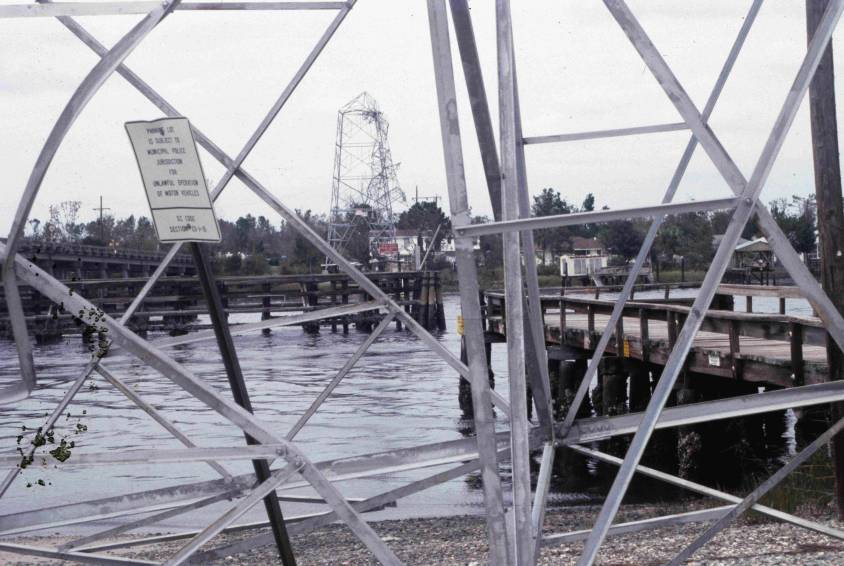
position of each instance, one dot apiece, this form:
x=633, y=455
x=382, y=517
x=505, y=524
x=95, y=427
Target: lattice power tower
x=364, y=185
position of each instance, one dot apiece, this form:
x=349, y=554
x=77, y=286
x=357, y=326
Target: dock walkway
x=771, y=349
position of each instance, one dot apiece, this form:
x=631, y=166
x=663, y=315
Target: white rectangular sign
x=174, y=182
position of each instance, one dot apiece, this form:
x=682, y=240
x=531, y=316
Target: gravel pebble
x=461, y=541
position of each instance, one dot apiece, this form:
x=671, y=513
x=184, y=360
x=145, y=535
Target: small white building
x=587, y=258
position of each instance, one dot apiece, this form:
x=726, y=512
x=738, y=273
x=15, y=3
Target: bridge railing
x=89, y=252
x=418, y=292
x=797, y=331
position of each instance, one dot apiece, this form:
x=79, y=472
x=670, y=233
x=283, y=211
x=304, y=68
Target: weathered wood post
x=464, y=391
x=438, y=300
x=567, y=367
x=613, y=386
x=396, y=285
x=609, y=399
x=830, y=212
x=333, y=303
x=344, y=289
x=310, y=298
x=265, y=304
x=640, y=386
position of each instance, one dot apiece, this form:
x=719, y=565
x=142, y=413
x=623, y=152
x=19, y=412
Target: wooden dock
x=734, y=354
x=175, y=302
x=770, y=349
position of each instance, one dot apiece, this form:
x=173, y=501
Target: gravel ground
x=461, y=541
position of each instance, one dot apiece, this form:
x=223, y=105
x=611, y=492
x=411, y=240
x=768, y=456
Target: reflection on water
x=399, y=395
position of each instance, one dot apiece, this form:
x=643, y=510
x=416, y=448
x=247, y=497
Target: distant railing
x=74, y=249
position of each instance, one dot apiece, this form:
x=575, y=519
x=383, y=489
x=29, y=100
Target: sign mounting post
x=182, y=212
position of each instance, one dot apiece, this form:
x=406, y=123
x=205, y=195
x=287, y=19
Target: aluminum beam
x=600, y=134
x=536, y=359
x=513, y=291
x=362, y=465
x=642, y=525
x=151, y=520
x=597, y=216
x=59, y=9
x=465, y=36
x=311, y=523
x=57, y=554
x=598, y=428
x=469, y=290
x=236, y=511
x=704, y=490
x=172, y=455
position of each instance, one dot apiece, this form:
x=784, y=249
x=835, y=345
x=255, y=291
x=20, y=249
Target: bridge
x=771, y=349
x=73, y=261
x=175, y=303
x=734, y=354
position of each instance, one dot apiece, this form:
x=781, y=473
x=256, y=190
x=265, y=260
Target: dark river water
x=399, y=395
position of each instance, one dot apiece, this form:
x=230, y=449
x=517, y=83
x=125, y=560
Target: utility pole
x=102, y=228
x=830, y=215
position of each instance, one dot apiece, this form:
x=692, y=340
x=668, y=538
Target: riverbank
x=461, y=541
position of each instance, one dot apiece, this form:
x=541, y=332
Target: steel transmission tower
x=364, y=187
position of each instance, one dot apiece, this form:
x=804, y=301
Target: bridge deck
x=770, y=349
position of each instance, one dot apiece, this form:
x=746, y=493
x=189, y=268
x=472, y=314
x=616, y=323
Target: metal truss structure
x=515, y=532
x=365, y=185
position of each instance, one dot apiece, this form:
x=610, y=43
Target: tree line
x=254, y=244
x=250, y=245
x=688, y=236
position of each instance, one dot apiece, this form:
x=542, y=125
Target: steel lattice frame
x=364, y=177
x=514, y=534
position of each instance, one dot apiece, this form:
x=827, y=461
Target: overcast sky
x=577, y=72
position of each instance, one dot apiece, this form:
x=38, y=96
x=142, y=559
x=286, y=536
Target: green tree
x=798, y=220
x=245, y=230
x=255, y=264
x=586, y=230
x=305, y=257
x=622, y=238
x=232, y=264
x=490, y=245
x=721, y=218
x=686, y=235
x=426, y=217
x=553, y=240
